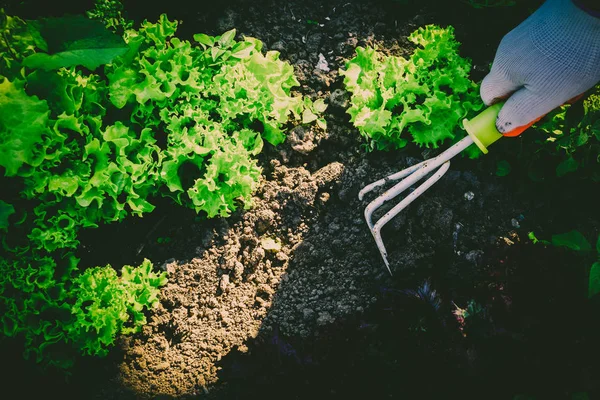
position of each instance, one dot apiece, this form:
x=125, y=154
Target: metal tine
x=376, y=229
x=395, y=190
x=393, y=177
x=411, y=175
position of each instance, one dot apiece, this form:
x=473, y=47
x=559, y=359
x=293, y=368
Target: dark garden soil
x=291, y=299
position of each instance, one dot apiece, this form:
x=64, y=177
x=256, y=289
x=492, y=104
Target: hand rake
x=481, y=131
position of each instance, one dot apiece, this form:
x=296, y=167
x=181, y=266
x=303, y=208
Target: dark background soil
x=538, y=334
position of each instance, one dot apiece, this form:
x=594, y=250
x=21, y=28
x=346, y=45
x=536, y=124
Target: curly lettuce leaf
x=56, y=308
x=19, y=39
x=23, y=123
x=107, y=304
x=426, y=96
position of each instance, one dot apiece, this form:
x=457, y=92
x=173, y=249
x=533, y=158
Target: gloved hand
x=550, y=58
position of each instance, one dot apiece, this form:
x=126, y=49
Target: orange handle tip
x=517, y=131
x=520, y=129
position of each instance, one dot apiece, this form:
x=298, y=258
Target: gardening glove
x=550, y=58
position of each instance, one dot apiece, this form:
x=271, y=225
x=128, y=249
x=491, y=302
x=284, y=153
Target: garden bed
x=291, y=299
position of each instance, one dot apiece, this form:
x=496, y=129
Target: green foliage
x=210, y=105
x=55, y=310
x=159, y=116
x=427, y=95
x=594, y=280
x=215, y=102
x=18, y=39
x=83, y=173
x=575, y=240
x=75, y=40
x=51, y=135
x=503, y=168
x=23, y=127
x=34, y=292
x=107, y=304
x=535, y=240
x=111, y=14
x=574, y=136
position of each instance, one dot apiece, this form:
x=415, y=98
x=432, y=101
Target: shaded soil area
x=291, y=298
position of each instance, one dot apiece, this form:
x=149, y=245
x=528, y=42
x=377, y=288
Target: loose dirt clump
x=218, y=300
x=301, y=259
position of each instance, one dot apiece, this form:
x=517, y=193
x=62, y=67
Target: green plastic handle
x=482, y=128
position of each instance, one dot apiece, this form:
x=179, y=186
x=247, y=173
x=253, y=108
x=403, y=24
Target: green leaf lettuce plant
x=94, y=126
x=213, y=104
x=422, y=99
x=166, y=117
x=60, y=312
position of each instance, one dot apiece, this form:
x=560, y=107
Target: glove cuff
x=588, y=7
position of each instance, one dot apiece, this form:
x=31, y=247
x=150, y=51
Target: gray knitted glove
x=550, y=58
